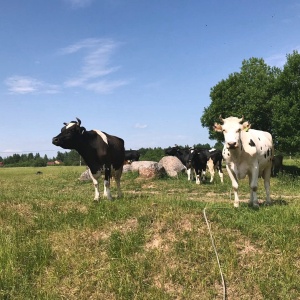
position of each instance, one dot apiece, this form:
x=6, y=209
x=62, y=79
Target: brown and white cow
x=246, y=152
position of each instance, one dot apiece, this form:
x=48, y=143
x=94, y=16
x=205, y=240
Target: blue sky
x=141, y=70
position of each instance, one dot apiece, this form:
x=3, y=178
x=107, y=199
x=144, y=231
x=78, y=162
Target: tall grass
x=56, y=243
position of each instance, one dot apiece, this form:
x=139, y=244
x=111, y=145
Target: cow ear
x=246, y=126
x=217, y=127
x=82, y=130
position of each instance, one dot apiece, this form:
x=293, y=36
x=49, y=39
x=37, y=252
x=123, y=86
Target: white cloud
x=93, y=75
x=105, y=87
x=96, y=64
x=78, y=3
x=277, y=60
x=140, y=126
x=29, y=85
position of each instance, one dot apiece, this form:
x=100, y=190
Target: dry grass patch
x=79, y=266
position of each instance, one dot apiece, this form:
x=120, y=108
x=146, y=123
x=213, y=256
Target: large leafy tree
x=286, y=106
x=247, y=93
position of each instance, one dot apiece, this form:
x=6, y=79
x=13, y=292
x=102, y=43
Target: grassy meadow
x=153, y=243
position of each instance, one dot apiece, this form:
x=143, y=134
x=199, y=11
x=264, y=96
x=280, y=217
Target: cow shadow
x=262, y=204
x=292, y=171
x=279, y=202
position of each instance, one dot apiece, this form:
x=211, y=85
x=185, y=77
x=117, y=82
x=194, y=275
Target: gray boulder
x=172, y=165
x=148, y=169
x=85, y=176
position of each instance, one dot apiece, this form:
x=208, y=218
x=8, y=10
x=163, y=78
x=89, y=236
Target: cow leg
x=211, y=169
x=198, y=176
x=266, y=176
x=203, y=173
x=221, y=176
x=118, y=174
x=190, y=173
x=107, y=183
x=253, y=178
x=235, y=186
x=94, y=178
x=220, y=171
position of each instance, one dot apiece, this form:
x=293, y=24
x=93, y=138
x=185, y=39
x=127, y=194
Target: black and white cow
x=196, y=160
x=184, y=155
x=246, y=152
x=132, y=155
x=101, y=152
x=214, y=163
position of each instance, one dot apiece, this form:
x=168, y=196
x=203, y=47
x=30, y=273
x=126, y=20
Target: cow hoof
x=255, y=206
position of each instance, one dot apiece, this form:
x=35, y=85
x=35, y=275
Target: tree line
x=72, y=158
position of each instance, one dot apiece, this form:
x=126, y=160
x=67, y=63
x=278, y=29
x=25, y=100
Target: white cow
x=246, y=152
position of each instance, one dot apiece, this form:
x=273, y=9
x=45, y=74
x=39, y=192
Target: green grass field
x=56, y=243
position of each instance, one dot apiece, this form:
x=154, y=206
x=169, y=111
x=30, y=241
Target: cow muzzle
x=232, y=145
x=55, y=141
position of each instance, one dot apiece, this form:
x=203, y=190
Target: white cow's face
x=231, y=129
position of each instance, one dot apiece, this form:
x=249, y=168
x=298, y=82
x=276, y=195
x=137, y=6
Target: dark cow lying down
x=101, y=152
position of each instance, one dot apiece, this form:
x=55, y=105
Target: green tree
x=39, y=162
x=60, y=156
x=155, y=154
x=247, y=93
x=72, y=158
x=218, y=145
x=286, y=106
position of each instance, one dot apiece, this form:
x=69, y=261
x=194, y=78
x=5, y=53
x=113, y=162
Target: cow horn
x=82, y=130
x=79, y=121
x=241, y=119
x=221, y=119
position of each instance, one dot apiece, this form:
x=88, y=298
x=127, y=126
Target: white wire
x=216, y=253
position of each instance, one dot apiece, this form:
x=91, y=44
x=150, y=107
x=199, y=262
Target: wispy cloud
x=279, y=59
x=78, y=3
x=96, y=64
x=276, y=60
x=29, y=85
x=140, y=126
x=105, y=87
x=94, y=74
